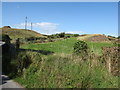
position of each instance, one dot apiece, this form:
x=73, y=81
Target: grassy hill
x=19, y=33
x=61, y=69
x=96, y=38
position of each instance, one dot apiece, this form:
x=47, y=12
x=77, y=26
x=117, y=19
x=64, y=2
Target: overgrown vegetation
x=62, y=69
x=80, y=47
x=62, y=35
x=66, y=71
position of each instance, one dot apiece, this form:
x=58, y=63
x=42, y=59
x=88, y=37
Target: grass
x=87, y=36
x=63, y=46
x=61, y=69
x=96, y=47
x=65, y=71
x=66, y=46
x=19, y=33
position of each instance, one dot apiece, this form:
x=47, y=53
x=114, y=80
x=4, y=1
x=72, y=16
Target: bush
x=80, y=47
x=30, y=39
x=76, y=35
x=5, y=38
x=61, y=35
x=6, y=27
x=111, y=36
x=23, y=61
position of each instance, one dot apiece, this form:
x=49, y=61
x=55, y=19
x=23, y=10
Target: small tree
x=23, y=61
x=76, y=35
x=80, y=47
x=62, y=35
x=5, y=38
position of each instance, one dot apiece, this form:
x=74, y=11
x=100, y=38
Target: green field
x=66, y=46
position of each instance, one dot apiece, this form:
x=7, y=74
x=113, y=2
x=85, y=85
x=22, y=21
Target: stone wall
x=111, y=57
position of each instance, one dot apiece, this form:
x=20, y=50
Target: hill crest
x=19, y=33
x=94, y=38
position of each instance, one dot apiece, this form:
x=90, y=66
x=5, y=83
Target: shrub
x=5, y=38
x=6, y=27
x=23, y=61
x=30, y=39
x=111, y=36
x=61, y=35
x=80, y=47
x=118, y=37
x=76, y=35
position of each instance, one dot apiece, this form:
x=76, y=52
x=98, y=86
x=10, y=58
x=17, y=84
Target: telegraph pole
x=26, y=22
x=31, y=25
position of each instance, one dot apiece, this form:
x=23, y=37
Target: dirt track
x=8, y=83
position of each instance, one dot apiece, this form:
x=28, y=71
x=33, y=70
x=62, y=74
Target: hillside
x=19, y=33
x=54, y=65
x=95, y=38
x=66, y=46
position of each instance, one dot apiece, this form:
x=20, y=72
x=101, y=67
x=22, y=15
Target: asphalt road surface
x=8, y=83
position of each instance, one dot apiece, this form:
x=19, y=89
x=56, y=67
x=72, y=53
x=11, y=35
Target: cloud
x=75, y=32
x=46, y=28
x=43, y=27
x=72, y=32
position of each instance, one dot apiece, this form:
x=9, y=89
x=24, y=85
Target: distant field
x=66, y=46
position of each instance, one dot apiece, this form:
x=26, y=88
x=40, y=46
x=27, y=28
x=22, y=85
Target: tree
x=62, y=34
x=75, y=35
x=6, y=38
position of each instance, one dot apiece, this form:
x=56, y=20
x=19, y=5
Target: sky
x=69, y=17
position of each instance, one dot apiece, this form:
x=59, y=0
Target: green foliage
x=23, y=61
x=75, y=35
x=66, y=46
x=5, y=38
x=55, y=36
x=34, y=38
x=66, y=71
x=80, y=47
x=111, y=36
x=119, y=45
x=61, y=35
x=30, y=39
x=67, y=36
x=62, y=46
x=96, y=46
x=118, y=37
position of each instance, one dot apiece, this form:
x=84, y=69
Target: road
x=8, y=83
